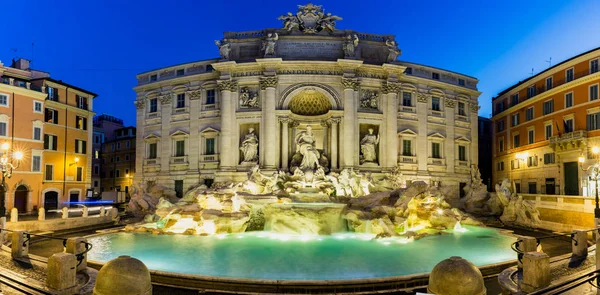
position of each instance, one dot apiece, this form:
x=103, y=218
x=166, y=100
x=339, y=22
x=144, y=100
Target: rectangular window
x=461, y=109
x=516, y=141
x=548, y=83
x=569, y=100
x=501, y=145
x=49, y=175
x=36, y=163
x=3, y=129
x=408, y=71
x=210, y=96
x=179, y=188
x=180, y=148
x=153, y=78
x=435, y=103
x=51, y=116
x=549, y=158
x=594, y=66
x=406, y=147
x=82, y=102
x=180, y=72
x=500, y=107
x=111, y=174
x=52, y=93
x=117, y=159
x=593, y=121
x=548, y=131
x=461, y=82
x=514, y=164
x=569, y=125
x=210, y=146
x=531, y=161
x=548, y=107
x=127, y=157
x=531, y=91
x=529, y=114
x=462, y=153
x=515, y=119
x=593, y=92
x=118, y=145
x=50, y=142
x=3, y=100
x=128, y=144
x=514, y=99
x=530, y=137
x=37, y=106
x=500, y=125
x=152, y=151
x=96, y=169
x=180, y=100
x=37, y=133
x=80, y=146
x=569, y=75
x=153, y=105
x=500, y=166
x=435, y=150
x=406, y=99
x=435, y=76
x=533, y=188
x=117, y=173
x=79, y=174
x=81, y=123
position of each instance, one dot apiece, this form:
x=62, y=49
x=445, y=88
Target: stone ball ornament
x=456, y=276
x=124, y=275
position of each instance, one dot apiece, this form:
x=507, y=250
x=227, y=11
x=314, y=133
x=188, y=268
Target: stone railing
x=435, y=113
x=153, y=115
x=245, y=35
x=568, y=137
x=407, y=159
x=208, y=158
x=462, y=118
x=209, y=107
x=176, y=160
x=407, y=109
x=461, y=164
x=151, y=162
x=563, y=213
x=436, y=161
x=183, y=110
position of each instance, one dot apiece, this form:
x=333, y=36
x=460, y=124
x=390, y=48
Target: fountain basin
x=271, y=258
x=305, y=218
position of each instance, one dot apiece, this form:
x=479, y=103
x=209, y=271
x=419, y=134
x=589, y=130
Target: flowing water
x=265, y=255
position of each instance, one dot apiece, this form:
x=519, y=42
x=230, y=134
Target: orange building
x=50, y=122
x=542, y=125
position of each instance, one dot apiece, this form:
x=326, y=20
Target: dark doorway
x=532, y=187
x=50, y=201
x=21, y=198
x=571, y=179
x=73, y=197
x=517, y=187
x=550, y=186
x=461, y=189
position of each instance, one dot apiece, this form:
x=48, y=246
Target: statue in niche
x=394, y=52
x=368, y=146
x=350, y=45
x=269, y=44
x=248, y=99
x=306, y=146
x=369, y=100
x=224, y=48
x=250, y=147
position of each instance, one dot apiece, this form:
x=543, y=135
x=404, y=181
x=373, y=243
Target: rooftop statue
x=350, y=46
x=224, y=48
x=394, y=51
x=269, y=44
x=310, y=19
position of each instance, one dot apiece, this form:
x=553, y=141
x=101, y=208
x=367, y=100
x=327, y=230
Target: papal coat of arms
x=310, y=19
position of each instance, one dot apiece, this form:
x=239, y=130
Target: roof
x=68, y=85
x=540, y=73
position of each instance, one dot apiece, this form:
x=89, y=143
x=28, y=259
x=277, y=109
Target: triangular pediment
x=209, y=130
x=151, y=136
x=179, y=133
x=436, y=135
x=463, y=139
x=407, y=132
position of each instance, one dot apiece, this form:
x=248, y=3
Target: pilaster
x=391, y=120
x=423, y=101
x=194, y=97
x=450, y=145
x=269, y=121
x=475, y=134
x=140, y=145
x=226, y=87
x=349, y=122
x=165, y=143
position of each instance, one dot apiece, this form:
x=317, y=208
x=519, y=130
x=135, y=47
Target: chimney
x=21, y=64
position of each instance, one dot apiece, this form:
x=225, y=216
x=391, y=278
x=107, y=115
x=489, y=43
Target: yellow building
x=50, y=122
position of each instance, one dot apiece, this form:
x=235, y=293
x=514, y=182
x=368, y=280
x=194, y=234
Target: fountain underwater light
x=458, y=228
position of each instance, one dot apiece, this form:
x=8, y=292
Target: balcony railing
x=436, y=161
x=462, y=118
x=150, y=162
x=568, y=137
x=183, y=110
x=407, y=159
x=209, y=107
x=462, y=164
x=179, y=160
x=153, y=115
x=436, y=113
x=408, y=109
x=209, y=158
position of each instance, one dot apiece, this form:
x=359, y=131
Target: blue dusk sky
x=100, y=45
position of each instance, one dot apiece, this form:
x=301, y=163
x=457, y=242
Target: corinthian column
x=349, y=142
x=334, y=142
x=228, y=148
x=284, y=142
x=165, y=142
x=269, y=119
x=391, y=114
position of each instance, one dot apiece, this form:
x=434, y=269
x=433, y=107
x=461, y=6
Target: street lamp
x=594, y=171
x=7, y=166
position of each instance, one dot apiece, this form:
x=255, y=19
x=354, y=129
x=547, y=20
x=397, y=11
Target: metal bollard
x=20, y=244
x=536, y=272
x=76, y=246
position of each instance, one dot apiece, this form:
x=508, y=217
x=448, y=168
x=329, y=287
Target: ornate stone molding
x=334, y=120
x=474, y=107
x=285, y=120
x=227, y=85
x=293, y=123
x=139, y=104
x=268, y=82
x=165, y=98
x=195, y=94
x=449, y=103
x=391, y=87
x=350, y=83
x=422, y=97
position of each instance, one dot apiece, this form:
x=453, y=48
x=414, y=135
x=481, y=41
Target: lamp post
x=7, y=166
x=594, y=171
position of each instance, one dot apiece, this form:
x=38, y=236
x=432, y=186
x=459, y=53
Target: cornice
x=62, y=106
x=22, y=91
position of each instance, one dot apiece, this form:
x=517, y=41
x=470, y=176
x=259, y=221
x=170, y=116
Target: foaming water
x=265, y=255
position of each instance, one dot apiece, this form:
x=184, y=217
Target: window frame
x=572, y=99
x=46, y=172
x=551, y=83
x=527, y=112
x=597, y=65
x=590, y=91
x=213, y=96
x=180, y=95
x=7, y=105
x=567, y=71
x=38, y=103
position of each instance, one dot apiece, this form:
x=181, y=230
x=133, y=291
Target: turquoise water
x=263, y=255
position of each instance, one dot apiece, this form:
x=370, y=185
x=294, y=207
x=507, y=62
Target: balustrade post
x=20, y=245
x=14, y=215
x=536, y=272
x=579, y=243
x=41, y=214
x=76, y=246
x=61, y=273
x=65, y=213
x=526, y=244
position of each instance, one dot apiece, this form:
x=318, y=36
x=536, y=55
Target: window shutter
x=46, y=138
x=84, y=146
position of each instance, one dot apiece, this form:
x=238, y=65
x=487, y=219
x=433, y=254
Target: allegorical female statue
x=250, y=147
x=269, y=44
x=306, y=146
x=368, y=146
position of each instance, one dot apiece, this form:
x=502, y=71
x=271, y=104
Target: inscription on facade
x=309, y=49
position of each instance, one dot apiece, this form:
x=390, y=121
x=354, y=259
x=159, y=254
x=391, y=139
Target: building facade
x=542, y=125
x=104, y=130
x=118, y=160
x=485, y=138
x=278, y=97
x=50, y=122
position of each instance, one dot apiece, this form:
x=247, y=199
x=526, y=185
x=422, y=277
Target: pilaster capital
x=139, y=104
x=449, y=103
x=293, y=123
x=334, y=121
x=350, y=83
x=422, y=97
x=227, y=85
x=391, y=87
x=474, y=107
x=268, y=82
x=194, y=94
x=165, y=98
x=284, y=120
